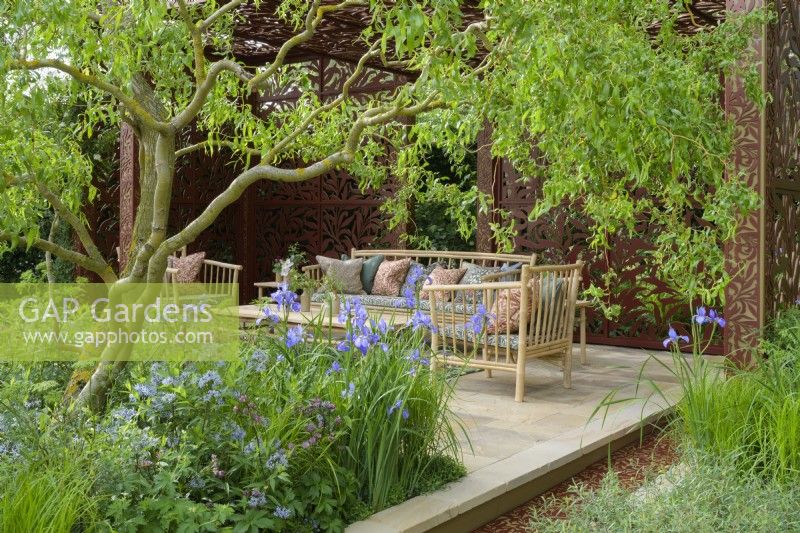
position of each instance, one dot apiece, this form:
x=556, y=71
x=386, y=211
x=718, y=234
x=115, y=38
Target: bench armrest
x=473, y=286
x=169, y=275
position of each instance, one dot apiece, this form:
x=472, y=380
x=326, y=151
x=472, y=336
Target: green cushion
x=368, y=271
x=551, y=291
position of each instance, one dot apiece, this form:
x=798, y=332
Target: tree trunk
x=156, y=155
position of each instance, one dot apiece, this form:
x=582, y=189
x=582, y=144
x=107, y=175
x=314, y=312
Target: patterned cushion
x=443, y=276
x=347, y=274
x=319, y=297
x=513, y=268
x=369, y=300
x=549, y=289
x=390, y=277
x=475, y=272
x=473, y=276
x=375, y=300
x=461, y=331
x=505, y=312
x=188, y=267
x=368, y=271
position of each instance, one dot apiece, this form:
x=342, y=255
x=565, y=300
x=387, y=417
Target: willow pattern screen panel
x=560, y=237
x=782, y=264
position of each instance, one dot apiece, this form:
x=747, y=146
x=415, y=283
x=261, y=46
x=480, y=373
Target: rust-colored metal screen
x=782, y=254
x=559, y=237
x=326, y=215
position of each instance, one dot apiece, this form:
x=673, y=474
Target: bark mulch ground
x=632, y=464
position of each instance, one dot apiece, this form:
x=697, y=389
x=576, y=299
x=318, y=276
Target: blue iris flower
x=286, y=299
x=343, y=346
x=421, y=320
x=268, y=315
x=362, y=343
x=335, y=367
x=394, y=407
x=294, y=336
x=704, y=317
x=351, y=389
x=673, y=337
x=352, y=308
x=478, y=321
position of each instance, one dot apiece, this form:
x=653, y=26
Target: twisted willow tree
x=609, y=108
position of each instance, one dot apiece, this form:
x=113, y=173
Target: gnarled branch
x=221, y=143
x=316, y=13
x=201, y=94
x=67, y=255
x=79, y=227
x=345, y=94
x=212, y=18
x=372, y=117
x=197, y=42
x=134, y=107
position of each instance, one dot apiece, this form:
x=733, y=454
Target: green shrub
x=435, y=223
x=299, y=434
x=783, y=334
x=707, y=495
x=750, y=416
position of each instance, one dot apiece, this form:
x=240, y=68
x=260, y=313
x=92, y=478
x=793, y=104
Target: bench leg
x=519, y=392
x=583, y=336
x=568, y=367
x=488, y=372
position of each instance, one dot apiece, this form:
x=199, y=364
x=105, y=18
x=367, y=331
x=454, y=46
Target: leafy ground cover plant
x=706, y=496
x=300, y=434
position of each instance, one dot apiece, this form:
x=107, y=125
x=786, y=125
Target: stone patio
x=514, y=451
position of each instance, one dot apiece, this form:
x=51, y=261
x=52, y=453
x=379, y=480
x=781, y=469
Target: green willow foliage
x=611, y=112
x=607, y=109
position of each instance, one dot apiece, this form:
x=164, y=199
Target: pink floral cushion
x=188, y=267
x=443, y=276
x=505, y=312
x=390, y=277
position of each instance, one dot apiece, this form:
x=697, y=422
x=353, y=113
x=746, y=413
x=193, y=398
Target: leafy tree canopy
x=577, y=94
